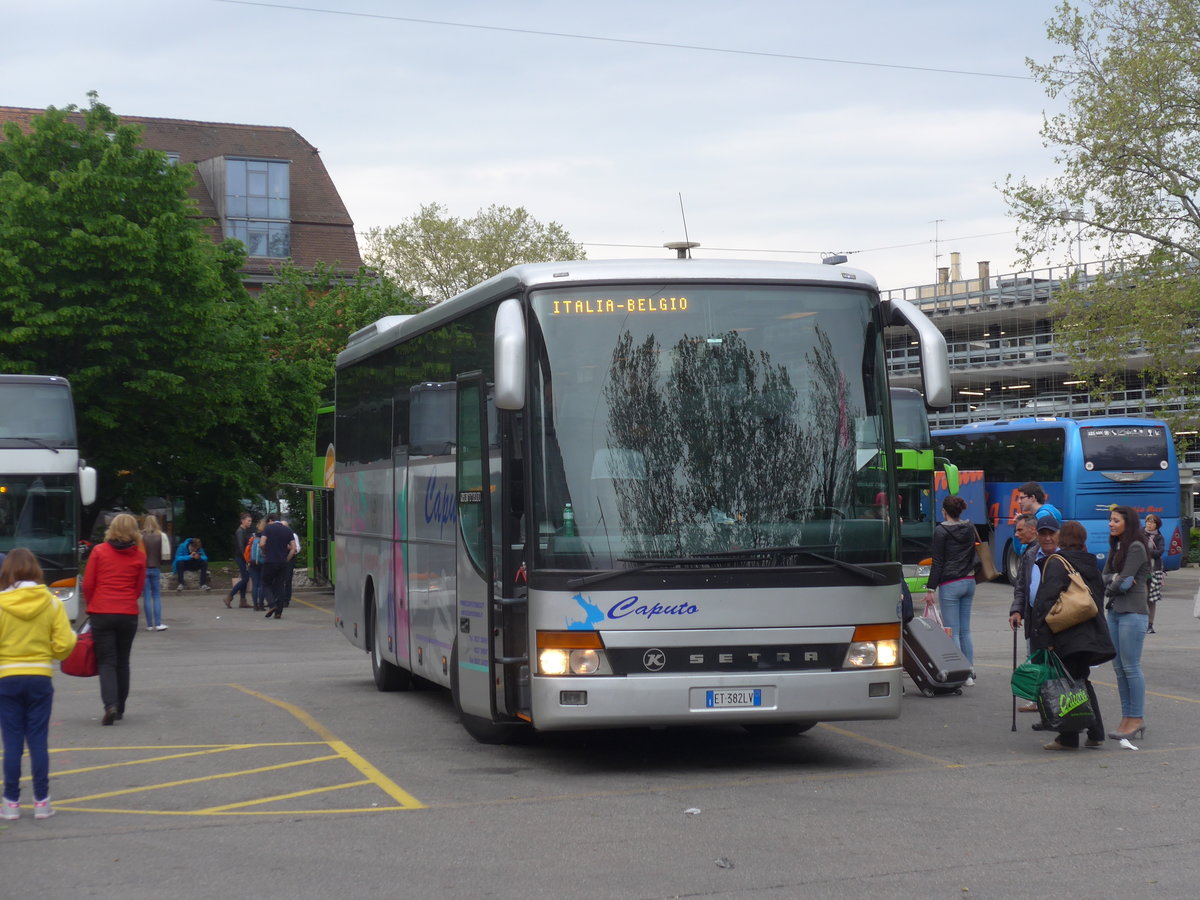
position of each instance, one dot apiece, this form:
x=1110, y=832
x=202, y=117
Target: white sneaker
x=149, y=627
x=10, y=809
x=42, y=809
x=970, y=682
x=161, y=628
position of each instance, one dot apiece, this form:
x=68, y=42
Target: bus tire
x=1012, y=564
x=388, y=676
x=777, y=729
x=481, y=729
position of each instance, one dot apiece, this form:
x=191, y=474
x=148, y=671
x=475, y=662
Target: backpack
x=250, y=554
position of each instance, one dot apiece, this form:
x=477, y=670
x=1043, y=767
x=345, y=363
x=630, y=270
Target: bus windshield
x=36, y=415
x=686, y=422
x=38, y=512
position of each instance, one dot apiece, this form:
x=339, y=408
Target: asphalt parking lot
x=256, y=759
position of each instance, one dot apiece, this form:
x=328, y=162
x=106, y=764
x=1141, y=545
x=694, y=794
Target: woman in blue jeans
x=1126, y=572
x=953, y=574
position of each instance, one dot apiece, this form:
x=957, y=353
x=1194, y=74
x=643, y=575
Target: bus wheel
x=777, y=729
x=1012, y=564
x=388, y=676
x=476, y=726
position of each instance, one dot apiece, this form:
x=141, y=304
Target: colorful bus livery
x=1086, y=466
x=600, y=494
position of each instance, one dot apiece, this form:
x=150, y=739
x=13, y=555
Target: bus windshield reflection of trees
x=752, y=418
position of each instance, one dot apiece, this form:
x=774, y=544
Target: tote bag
x=1074, y=605
x=82, y=661
x=986, y=570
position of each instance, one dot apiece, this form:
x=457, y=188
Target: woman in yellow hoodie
x=34, y=630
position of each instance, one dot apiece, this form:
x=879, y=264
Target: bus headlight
x=874, y=646
x=571, y=653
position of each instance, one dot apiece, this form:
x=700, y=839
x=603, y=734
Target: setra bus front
x=703, y=542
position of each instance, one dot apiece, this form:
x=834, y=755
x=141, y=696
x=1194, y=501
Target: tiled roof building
x=263, y=184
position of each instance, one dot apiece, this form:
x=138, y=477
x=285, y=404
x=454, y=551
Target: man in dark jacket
x=1025, y=529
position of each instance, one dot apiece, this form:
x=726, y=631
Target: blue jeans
x=25, y=702
x=1128, y=633
x=955, y=600
x=152, y=597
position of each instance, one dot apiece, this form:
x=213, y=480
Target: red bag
x=82, y=661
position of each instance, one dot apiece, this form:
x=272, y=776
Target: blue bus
x=1084, y=465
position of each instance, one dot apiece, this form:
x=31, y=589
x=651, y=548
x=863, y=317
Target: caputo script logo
x=633, y=606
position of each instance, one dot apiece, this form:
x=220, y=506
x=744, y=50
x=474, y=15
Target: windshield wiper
x=723, y=558
x=32, y=440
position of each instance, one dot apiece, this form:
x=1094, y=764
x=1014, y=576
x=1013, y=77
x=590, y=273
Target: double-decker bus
x=1086, y=466
x=43, y=482
x=619, y=493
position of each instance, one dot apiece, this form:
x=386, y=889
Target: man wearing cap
x=1047, y=543
x=1025, y=531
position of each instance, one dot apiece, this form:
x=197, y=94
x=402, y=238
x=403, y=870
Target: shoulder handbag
x=986, y=571
x=82, y=661
x=1074, y=605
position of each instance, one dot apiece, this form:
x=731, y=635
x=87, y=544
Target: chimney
x=985, y=273
x=943, y=274
x=955, y=266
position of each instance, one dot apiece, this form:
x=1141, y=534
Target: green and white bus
x=619, y=493
x=43, y=481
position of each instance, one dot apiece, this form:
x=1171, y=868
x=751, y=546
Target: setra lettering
x=632, y=606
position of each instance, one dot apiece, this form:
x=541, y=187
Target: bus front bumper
x=745, y=698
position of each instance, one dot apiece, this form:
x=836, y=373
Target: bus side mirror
x=951, y=476
x=87, y=485
x=935, y=368
x=509, y=349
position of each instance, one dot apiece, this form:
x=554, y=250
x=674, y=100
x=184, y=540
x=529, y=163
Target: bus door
x=486, y=632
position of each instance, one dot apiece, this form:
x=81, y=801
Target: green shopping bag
x=1029, y=676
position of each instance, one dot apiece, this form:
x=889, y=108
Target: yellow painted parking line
x=220, y=775
x=862, y=738
x=203, y=751
x=324, y=609
x=385, y=784
x=339, y=751
x=292, y=796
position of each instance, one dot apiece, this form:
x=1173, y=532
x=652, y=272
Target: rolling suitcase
x=931, y=659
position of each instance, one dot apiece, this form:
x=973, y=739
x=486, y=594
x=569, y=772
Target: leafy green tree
x=436, y=255
x=107, y=278
x=308, y=317
x=1127, y=146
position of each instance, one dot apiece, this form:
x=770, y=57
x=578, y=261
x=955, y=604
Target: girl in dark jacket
x=953, y=571
x=1081, y=646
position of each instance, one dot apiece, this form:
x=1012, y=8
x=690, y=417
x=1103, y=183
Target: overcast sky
x=507, y=103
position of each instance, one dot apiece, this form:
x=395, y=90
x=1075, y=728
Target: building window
x=258, y=205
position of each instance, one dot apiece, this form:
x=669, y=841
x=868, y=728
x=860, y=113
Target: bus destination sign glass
x=599, y=306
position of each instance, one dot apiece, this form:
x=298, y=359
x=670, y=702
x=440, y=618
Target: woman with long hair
x=952, y=574
x=34, y=630
x=152, y=541
x=112, y=584
x=1083, y=645
x=1126, y=572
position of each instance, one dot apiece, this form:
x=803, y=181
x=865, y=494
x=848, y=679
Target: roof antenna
x=683, y=249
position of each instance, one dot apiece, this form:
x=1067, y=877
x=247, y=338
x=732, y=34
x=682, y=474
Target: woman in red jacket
x=112, y=585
